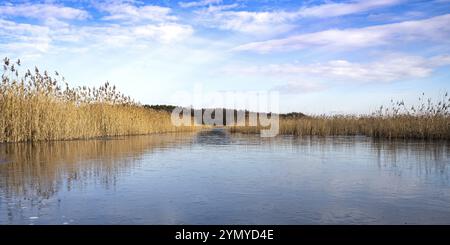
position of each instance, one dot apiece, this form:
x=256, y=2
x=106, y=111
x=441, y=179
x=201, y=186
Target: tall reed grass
x=35, y=107
x=428, y=120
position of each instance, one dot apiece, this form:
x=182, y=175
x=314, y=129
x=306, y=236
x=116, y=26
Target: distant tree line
x=170, y=108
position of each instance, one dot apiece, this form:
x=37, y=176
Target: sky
x=321, y=56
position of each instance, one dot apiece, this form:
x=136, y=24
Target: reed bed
x=428, y=120
x=36, y=107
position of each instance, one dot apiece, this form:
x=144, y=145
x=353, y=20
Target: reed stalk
x=36, y=107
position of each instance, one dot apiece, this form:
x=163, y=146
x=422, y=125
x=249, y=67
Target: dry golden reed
x=429, y=120
x=36, y=107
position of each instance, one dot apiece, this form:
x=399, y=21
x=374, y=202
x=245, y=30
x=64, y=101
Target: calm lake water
x=214, y=177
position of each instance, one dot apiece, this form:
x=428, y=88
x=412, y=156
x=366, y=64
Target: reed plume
x=428, y=120
x=37, y=106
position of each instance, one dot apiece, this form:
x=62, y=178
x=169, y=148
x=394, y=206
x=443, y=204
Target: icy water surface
x=213, y=177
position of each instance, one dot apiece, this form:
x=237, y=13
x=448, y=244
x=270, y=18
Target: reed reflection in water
x=214, y=177
x=31, y=173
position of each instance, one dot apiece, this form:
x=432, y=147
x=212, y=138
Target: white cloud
x=138, y=24
x=108, y=36
x=198, y=3
x=218, y=8
x=340, y=9
x=43, y=11
x=396, y=17
x=26, y=39
x=23, y=38
x=246, y=21
x=129, y=12
x=56, y=33
x=281, y=21
x=391, y=68
x=432, y=29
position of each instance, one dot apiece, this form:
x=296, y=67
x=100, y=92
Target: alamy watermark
x=228, y=108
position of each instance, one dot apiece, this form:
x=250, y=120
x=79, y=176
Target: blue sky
x=322, y=56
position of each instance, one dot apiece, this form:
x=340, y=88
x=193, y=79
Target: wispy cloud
x=23, y=38
x=198, y=3
x=432, y=29
x=246, y=21
x=28, y=39
x=108, y=36
x=125, y=11
x=218, y=8
x=133, y=26
x=390, y=68
x=328, y=49
x=42, y=11
x=135, y=23
x=340, y=9
x=280, y=20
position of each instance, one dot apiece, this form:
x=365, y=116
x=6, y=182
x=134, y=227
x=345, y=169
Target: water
x=214, y=177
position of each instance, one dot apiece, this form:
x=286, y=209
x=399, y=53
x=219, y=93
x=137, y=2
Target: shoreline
x=232, y=130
